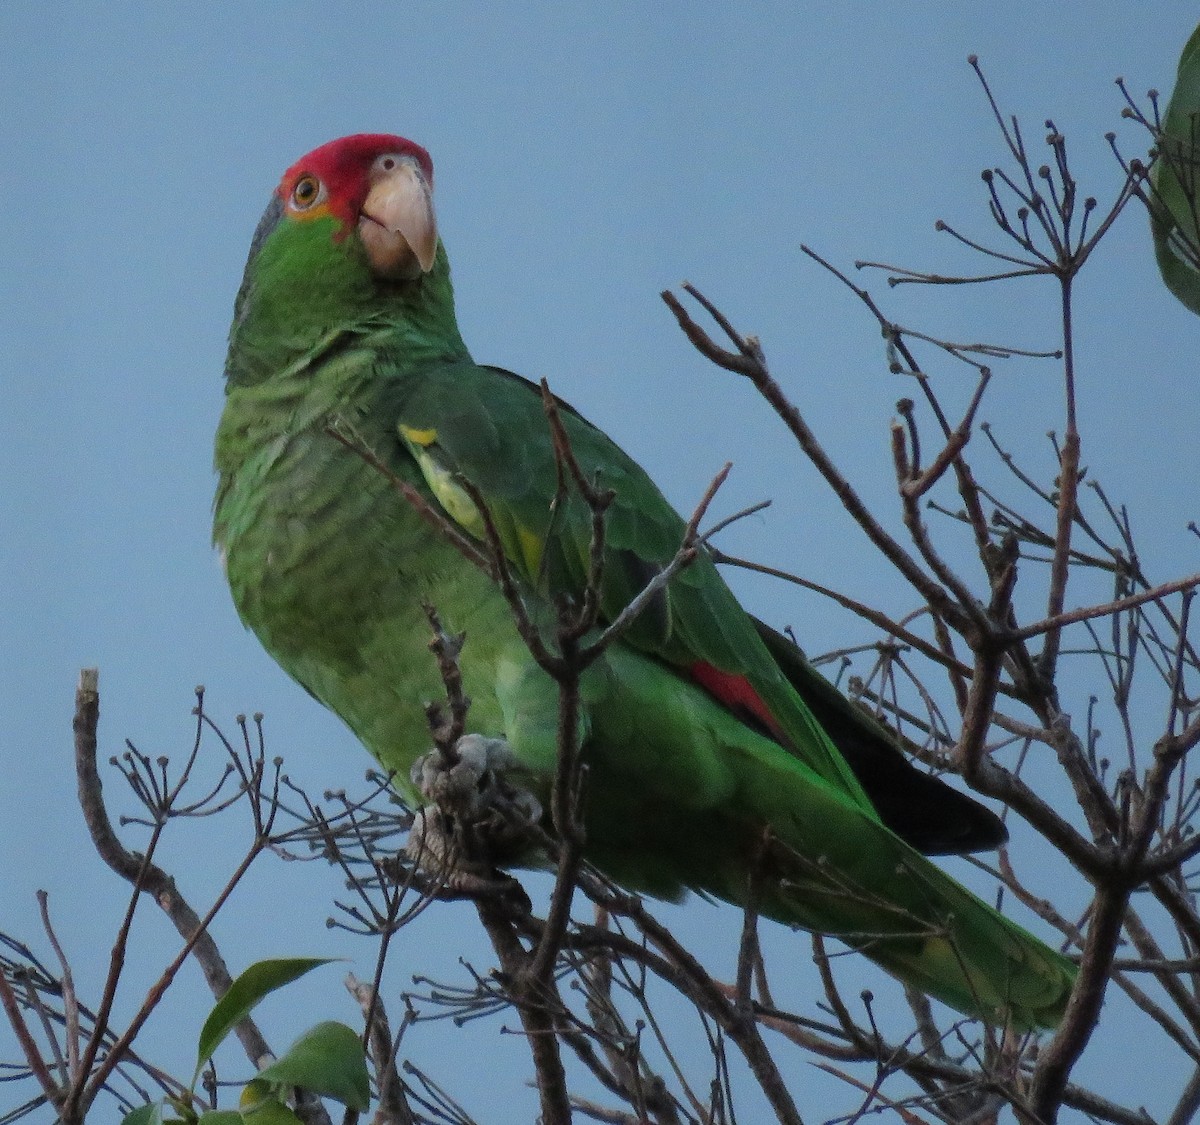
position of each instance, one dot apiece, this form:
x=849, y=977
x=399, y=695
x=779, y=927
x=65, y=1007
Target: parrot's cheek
x=388, y=251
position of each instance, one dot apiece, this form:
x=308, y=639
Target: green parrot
x=703, y=730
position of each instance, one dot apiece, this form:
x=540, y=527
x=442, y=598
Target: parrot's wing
x=489, y=426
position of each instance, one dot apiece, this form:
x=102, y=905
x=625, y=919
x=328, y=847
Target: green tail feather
x=945, y=941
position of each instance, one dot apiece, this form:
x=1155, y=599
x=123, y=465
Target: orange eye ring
x=307, y=192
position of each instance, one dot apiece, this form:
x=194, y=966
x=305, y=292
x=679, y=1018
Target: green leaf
x=1175, y=178
x=328, y=1060
x=259, y=980
x=260, y=1105
x=270, y=1112
x=151, y=1114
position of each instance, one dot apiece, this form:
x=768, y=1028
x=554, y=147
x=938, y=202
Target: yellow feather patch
x=450, y=494
x=531, y=548
x=419, y=437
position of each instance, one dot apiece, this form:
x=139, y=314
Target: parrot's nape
x=702, y=728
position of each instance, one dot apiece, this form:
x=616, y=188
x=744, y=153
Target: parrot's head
x=349, y=233
x=372, y=187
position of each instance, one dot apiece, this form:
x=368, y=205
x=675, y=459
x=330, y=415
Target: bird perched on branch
x=704, y=731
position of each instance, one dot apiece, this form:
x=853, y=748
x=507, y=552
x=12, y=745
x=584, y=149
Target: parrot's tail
x=929, y=932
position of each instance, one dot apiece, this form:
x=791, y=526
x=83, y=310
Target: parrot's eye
x=388, y=163
x=306, y=192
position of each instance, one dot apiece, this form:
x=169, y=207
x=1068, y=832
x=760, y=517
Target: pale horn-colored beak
x=397, y=225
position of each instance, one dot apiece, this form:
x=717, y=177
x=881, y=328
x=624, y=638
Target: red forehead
x=342, y=166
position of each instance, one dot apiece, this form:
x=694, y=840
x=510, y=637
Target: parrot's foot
x=480, y=817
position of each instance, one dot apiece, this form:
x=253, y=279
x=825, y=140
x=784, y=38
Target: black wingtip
x=920, y=808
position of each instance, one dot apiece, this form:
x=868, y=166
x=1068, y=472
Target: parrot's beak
x=396, y=224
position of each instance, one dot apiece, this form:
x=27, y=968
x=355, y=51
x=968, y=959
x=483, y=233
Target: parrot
x=704, y=730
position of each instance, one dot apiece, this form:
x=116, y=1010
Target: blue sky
x=586, y=157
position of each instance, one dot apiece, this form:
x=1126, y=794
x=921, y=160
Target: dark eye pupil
x=389, y=164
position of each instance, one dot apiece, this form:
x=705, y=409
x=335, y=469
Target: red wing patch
x=736, y=693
